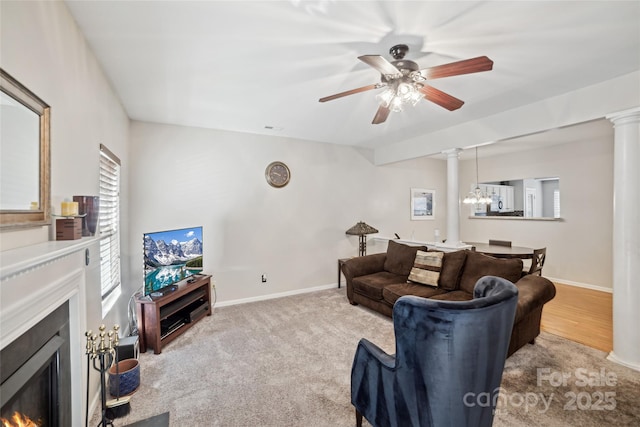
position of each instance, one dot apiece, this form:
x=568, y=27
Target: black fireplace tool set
x=102, y=351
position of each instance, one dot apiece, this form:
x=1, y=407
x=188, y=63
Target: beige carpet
x=287, y=362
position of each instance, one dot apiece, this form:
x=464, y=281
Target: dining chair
x=537, y=262
x=449, y=358
x=506, y=243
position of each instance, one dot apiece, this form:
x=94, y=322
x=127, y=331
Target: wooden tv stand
x=162, y=319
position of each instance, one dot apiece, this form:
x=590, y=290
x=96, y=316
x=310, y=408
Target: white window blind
x=109, y=225
x=556, y=203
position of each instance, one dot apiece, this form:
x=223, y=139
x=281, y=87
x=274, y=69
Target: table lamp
x=361, y=229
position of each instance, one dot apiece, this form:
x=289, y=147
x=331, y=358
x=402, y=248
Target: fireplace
x=37, y=281
x=35, y=373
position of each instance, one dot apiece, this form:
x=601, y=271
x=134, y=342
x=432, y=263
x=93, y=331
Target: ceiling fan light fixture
x=396, y=104
x=415, y=96
x=416, y=76
x=398, y=93
x=385, y=97
x=404, y=90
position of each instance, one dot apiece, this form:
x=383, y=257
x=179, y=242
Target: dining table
x=499, y=251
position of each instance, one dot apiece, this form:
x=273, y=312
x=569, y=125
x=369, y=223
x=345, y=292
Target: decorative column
x=453, y=199
x=626, y=239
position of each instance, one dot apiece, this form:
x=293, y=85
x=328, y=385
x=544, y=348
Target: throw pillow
x=400, y=258
x=479, y=265
x=451, y=271
x=426, y=268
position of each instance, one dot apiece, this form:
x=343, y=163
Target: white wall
x=579, y=246
x=43, y=49
x=188, y=177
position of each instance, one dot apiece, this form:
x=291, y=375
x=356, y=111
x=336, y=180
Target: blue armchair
x=448, y=363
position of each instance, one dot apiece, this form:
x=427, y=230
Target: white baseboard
x=581, y=285
x=276, y=295
x=612, y=357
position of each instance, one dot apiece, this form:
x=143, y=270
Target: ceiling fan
x=405, y=81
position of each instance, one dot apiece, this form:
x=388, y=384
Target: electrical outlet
x=264, y=278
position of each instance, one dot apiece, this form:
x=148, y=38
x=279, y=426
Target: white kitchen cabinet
x=508, y=199
x=506, y=196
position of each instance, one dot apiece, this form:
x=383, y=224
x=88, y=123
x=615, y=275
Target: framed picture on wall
x=423, y=204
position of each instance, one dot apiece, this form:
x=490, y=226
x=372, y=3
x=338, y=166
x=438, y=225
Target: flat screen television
x=171, y=256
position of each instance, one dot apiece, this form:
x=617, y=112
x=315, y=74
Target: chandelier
x=477, y=196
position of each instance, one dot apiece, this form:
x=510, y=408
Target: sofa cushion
x=478, y=265
x=392, y=292
x=426, y=268
x=451, y=271
x=371, y=285
x=400, y=258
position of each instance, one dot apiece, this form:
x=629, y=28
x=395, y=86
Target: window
x=556, y=203
x=109, y=228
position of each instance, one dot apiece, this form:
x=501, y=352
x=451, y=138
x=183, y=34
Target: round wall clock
x=277, y=174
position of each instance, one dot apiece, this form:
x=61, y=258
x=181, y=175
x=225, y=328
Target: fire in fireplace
x=20, y=420
x=35, y=374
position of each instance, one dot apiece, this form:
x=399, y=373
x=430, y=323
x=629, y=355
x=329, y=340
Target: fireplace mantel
x=20, y=260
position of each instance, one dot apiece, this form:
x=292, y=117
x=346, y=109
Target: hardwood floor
x=581, y=315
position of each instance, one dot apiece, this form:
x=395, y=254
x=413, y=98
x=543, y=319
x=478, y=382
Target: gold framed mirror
x=25, y=189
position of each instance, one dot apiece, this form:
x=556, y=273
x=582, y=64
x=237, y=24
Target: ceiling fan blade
x=383, y=66
x=467, y=66
x=349, y=92
x=442, y=99
x=381, y=115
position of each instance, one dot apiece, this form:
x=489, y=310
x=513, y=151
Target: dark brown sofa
x=377, y=281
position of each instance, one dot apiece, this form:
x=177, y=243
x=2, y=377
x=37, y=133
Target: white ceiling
x=245, y=66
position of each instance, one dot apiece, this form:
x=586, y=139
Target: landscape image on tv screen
x=171, y=256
